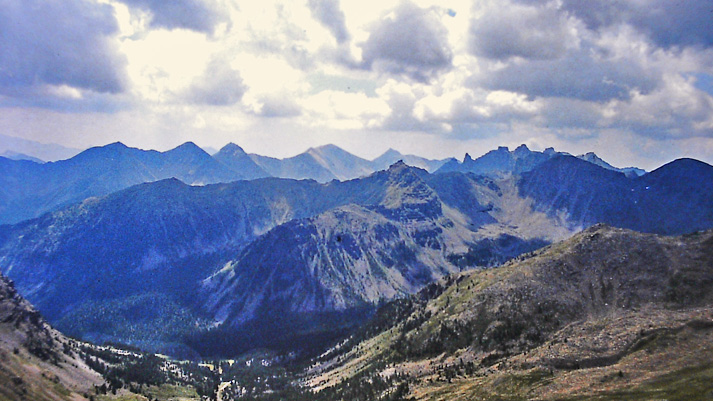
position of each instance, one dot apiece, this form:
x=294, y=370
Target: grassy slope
x=609, y=301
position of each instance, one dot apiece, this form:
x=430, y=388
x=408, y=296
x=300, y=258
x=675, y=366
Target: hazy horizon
x=632, y=82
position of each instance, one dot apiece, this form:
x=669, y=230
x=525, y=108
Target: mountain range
x=503, y=162
x=13, y=147
x=269, y=255
x=488, y=278
x=31, y=189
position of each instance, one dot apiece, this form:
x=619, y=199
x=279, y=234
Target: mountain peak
x=330, y=148
x=467, y=158
x=188, y=148
x=232, y=148
x=115, y=145
x=399, y=170
x=188, y=145
x=684, y=169
x=408, y=196
x=398, y=167
x=391, y=152
x=522, y=149
x=109, y=150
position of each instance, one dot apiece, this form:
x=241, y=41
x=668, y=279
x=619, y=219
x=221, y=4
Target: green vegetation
x=151, y=321
x=692, y=383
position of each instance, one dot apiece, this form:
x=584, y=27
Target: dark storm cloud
x=580, y=74
x=331, y=16
x=196, y=15
x=413, y=42
x=58, y=43
x=667, y=23
x=519, y=31
x=220, y=85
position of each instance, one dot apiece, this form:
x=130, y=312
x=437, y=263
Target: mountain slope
x=340, y=259
x=351, y=258
x=30, y=190
x=344, y=165
x=302, y=166
x=669, y=200
x=607, y=313
x=158, y=238
x=36, y=361
x=631, y=172
x=391, y=156
x=501, y=162
x=143, y=236
x=235, y=158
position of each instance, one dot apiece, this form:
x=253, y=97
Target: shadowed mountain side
x=672, y=199
x=351, y=258
x=161, y=236
x=29, y=190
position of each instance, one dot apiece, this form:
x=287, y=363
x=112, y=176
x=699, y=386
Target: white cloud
x=502, y=31
x=458, y=73
x=411, y=41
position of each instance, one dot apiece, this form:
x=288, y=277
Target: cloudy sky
x=631, y=79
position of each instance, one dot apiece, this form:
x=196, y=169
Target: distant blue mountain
x=672, y=199
x=12, y=155
x=28, y=190
x=235, y=158
x=41, y=151
x=248, y=253
x=391, y=156
x=329, y=162
x=502, y=162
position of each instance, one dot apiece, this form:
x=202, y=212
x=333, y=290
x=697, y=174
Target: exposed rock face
x=563, y=321
x=348, y=257
x=36, y=361
x=500, y=162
